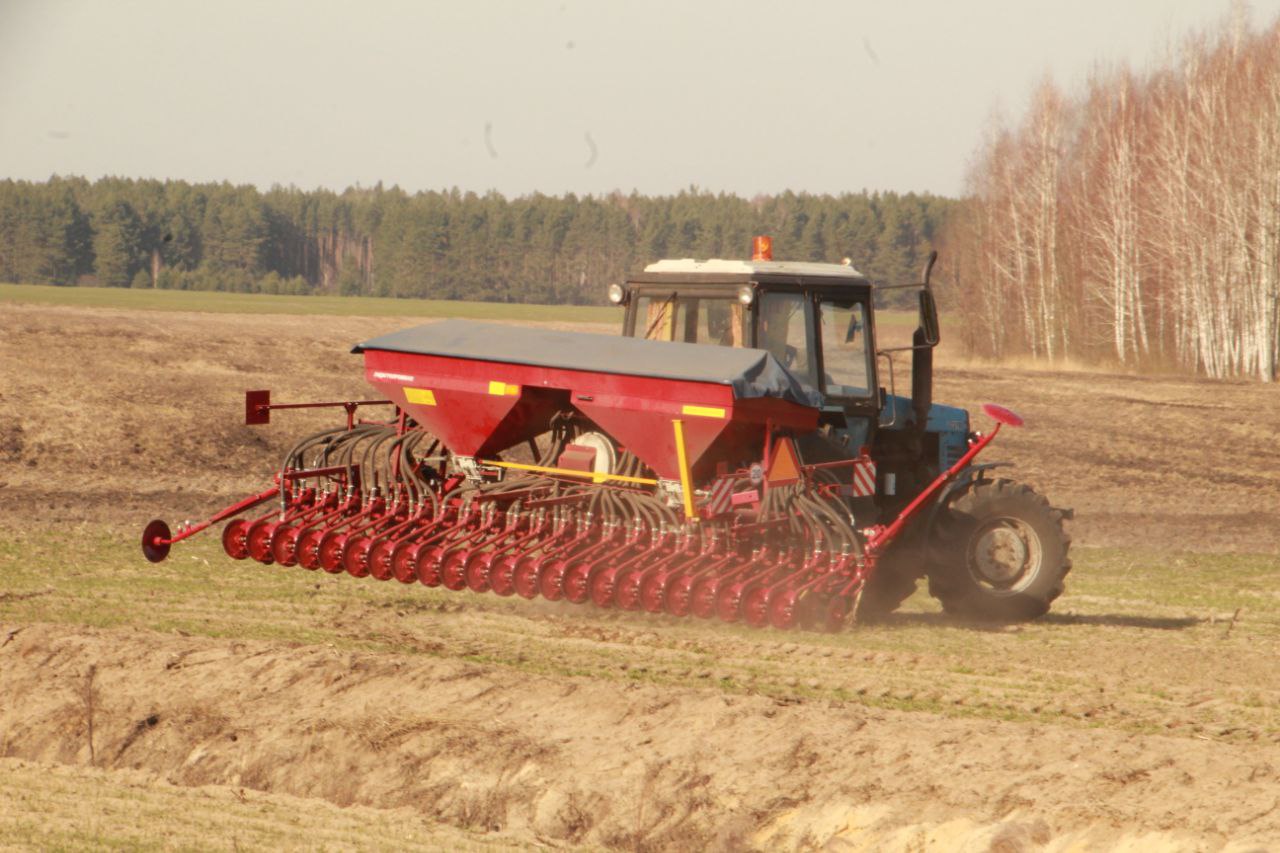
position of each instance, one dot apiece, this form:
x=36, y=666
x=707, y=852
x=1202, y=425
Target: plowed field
x=212, y=703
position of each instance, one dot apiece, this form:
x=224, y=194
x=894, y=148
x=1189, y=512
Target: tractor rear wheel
x=998, y=552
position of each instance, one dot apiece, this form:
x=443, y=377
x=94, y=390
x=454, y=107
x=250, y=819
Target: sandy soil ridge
x=574, y=761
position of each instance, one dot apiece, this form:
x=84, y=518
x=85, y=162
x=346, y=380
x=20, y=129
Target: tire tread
x=949, y=580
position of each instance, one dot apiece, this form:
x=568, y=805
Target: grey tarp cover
x=751, y=372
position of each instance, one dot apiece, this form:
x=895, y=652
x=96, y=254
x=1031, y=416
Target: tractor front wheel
x=998, y=552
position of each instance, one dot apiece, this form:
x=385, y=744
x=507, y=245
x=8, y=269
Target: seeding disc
x=355, y=556
x=502, y=576
x=703, y=600
x=284, y=544
x=728, y=601
x=526, y=577
x=380, y=560
x=477, y=573
x=428, y=565
x=331, y=551
x=782, y=609
x=679, y=595
x=309, y=549
x=603, y=586
x=155, y=544
x=628, y=595
x=653, y=592
x=551, y=581
x=454, y=572
x=575, y=583
x=755, y=609
x=404, y=562
x=259, y=541
x=837, y=613
x=233, y=539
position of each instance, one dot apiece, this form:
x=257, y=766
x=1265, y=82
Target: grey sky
x=562, y=96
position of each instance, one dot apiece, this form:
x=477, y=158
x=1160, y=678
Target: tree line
x=118, y=232
x=1136, y=221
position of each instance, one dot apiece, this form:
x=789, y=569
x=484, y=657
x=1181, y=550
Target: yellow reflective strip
x=703, y=411
x=500, y=389
x=686, y=478
x=542, y=469
x=422, y=396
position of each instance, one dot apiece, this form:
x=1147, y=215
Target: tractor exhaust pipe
x=922, y=344
x=921, y=378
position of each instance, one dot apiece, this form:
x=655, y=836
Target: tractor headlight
x=746, y=294
x=616, y=294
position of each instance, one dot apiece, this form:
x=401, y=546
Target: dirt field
x=204, y=702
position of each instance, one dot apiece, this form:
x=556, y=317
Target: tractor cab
x=818, y=321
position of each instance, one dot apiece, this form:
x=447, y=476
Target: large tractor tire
x=998, y=553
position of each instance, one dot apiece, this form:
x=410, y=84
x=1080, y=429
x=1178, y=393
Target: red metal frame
x=258, y=407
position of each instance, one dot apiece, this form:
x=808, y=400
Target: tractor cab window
x=846, y=364
x=656, y=317
x=695, y=320
x=720, y=321
x=783, y=331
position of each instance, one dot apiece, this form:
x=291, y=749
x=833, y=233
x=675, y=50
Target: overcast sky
x=553, y=97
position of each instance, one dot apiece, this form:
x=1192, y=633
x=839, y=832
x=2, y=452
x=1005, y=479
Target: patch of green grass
x=261, y=303
x=95, y=577
x=1210, y=585
x=1168, y=615
x=217, y=302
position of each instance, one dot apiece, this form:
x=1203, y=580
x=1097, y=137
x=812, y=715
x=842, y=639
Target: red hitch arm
x=881, y=537
x=156, y=538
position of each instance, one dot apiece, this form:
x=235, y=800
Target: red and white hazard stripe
x=720, y=497
x=864, y=478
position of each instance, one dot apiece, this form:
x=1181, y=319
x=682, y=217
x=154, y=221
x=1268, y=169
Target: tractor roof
x=839, y=278
x=753, y=268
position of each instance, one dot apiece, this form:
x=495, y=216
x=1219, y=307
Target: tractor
x=740, y=451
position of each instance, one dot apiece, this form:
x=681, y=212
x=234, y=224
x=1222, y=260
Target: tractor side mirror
x=929, y=317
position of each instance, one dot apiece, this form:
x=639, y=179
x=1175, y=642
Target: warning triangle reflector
x=784, y=467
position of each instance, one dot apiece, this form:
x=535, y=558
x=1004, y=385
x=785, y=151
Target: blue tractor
x=989, y=547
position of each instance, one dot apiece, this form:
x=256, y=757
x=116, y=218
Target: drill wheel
x=155, y=545
x=380, y=567
x=233, y=538
x=755, y=610
x=783, y=609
